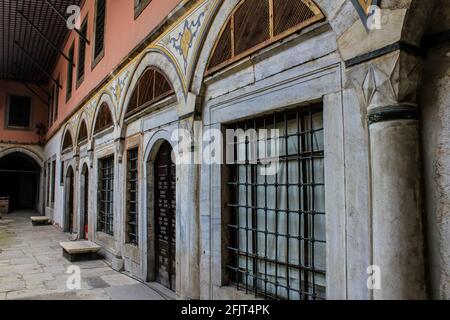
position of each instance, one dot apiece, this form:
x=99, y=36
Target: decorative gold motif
x=186, y=42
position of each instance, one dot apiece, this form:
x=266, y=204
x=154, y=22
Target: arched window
x=255, y=24
x=104, y=118
x=67, y=142
x=151, y=87
x=82, y=133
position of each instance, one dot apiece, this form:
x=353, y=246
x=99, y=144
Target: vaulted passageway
x=19, y=180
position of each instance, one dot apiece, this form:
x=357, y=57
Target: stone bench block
x=80, y=250
x=40, y=221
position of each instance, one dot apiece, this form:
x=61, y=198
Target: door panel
x=86, y=206
x=165, y=216
x=71, y=203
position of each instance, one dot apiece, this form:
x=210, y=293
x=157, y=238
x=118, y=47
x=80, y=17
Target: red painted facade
x=123, y=32
x=38, y=114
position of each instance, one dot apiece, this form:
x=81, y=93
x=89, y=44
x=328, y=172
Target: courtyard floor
x=32, y=267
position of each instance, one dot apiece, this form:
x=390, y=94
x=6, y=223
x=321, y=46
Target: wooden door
x=71, y=202
x=165, y=216
x=86, y=205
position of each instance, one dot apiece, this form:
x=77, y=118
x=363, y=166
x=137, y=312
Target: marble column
x=388, y=88
x=188, y=174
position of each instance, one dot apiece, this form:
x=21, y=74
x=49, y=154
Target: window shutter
x=100, y=27
x=82, y=52
x=251, y=25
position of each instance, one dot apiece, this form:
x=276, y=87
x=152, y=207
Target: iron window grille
x=132, y=197
x=106, y=196
x=276, y=223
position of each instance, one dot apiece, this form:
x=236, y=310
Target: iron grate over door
x=165, y=216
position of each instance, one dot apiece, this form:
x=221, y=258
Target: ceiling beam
x=47, y=103
x=45, y=37
x=37, y=64
x=22, y=69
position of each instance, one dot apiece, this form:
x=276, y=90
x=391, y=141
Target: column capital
x=387, y=86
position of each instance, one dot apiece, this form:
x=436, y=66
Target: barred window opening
x=132, y=197
x=277, y=222
x=105, y=196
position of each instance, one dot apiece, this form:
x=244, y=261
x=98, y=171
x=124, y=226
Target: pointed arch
x=104, y=118
x=104, y=104
x=255, y=24
x=82, y=132
x=67, y=140
x=152, y=59
x=151, y=87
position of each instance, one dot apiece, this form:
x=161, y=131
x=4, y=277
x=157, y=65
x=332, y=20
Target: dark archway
x=69, y=201
x=20, y=181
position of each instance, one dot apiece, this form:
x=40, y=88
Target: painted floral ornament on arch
x=365, y=10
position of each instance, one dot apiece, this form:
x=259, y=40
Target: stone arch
x=30, y=153
x=156, y=59
x=150, y=152
x=107, y=99
x=345, y=22
x=83, y=118
x=68, y=130
x=212, y=32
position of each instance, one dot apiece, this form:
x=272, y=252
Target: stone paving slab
x=32, y=267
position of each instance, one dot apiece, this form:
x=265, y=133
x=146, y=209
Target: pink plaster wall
x=39, y=114
x=122, y=34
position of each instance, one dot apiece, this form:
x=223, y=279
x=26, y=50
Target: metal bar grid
x=132, y=197
x=106, y=196
x=268, y=257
